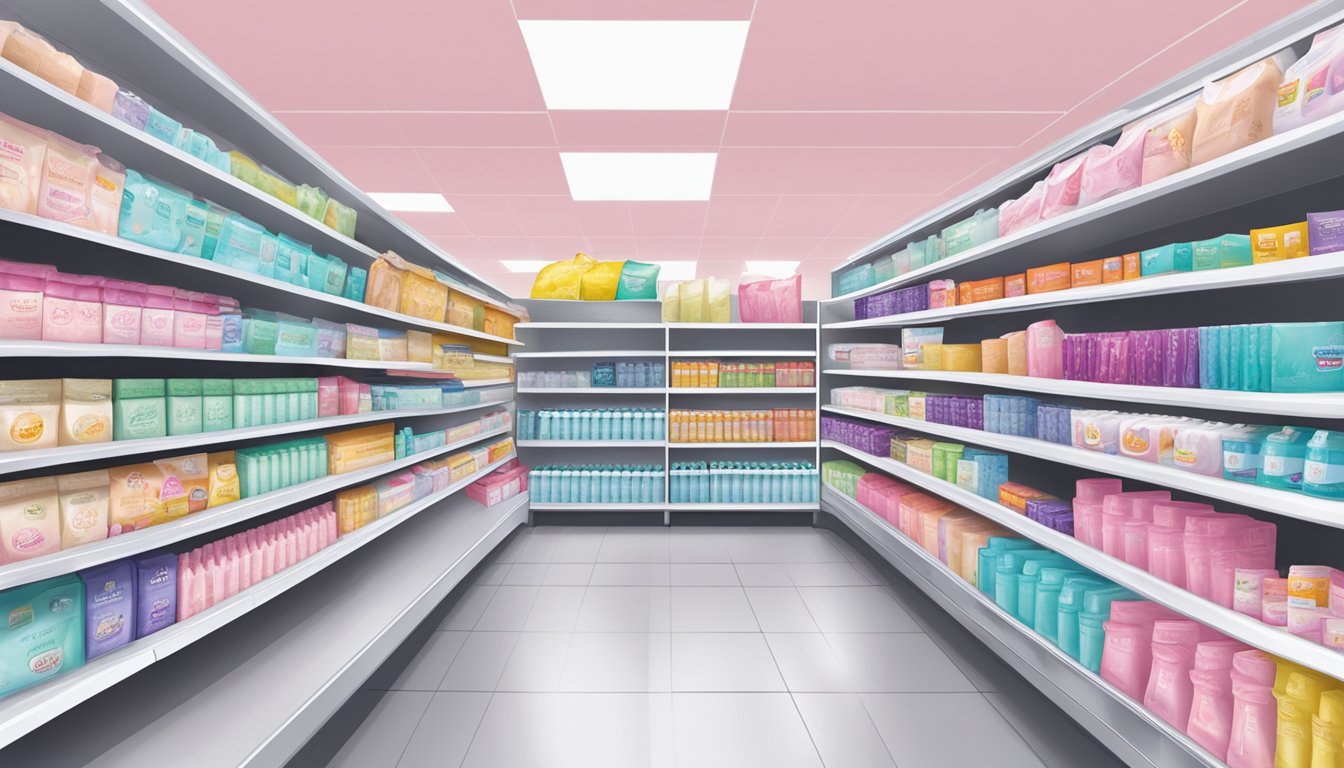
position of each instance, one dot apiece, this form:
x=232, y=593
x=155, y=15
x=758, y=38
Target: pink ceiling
x=849, y=117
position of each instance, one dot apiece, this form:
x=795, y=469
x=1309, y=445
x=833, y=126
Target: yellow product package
x=356, y=449
x=497, y=322
x=600, y=282
x=562, y=280
x=223, y=485
x=694, y=304
x=460, y=466
x=464, y=310
x=419, y=346
x=140, y=497
x=1279, y=243
x=188, y=477
x=672, y=304
x=718, y=300
x=383, y=289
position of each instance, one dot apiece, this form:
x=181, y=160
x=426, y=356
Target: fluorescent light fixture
x=625, y=65
x=674, y=270
x=639, y=175
x=772, y=268
x=526, y=266
x=412, y=202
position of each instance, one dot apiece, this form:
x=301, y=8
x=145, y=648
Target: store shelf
x=486, y=383
x=468, y=533
x=11, y=348
x=741, y=326
x=799, y=506
x=372, y=315
x=1288, y=504
x=742, y=390
x=154, y=537
x=614, y=506
x=591, y=390
x=18, y=461
x=580, y=326
x=1280, y=163
x=718, y=353
x=1296, y=270
x=1135, y=734
x=801, y=444
x=591, y=353
x=132, y=27
x=591, y=443
x=499, y=359
x=1322, y=405
x=1275, y=640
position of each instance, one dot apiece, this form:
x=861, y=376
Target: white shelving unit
x=592, y=332
x=294, y=625
x=1272, y=182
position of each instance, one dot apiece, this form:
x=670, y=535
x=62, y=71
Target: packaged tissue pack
x=23, y=149
x=41, y=632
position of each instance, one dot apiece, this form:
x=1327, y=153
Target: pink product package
x=1248, y=590
x=1087, y=522
x=767, y=300
x=500, y=485
x=1254, y=711
x=156, y=317
x=1097, y=488
x=1126, y=657
x=1062, y=187
x=1167, y=140
x=189, y=321
x=21, y=307
x=23, y=148
x=328, y=396
x=72, y=313
x=1045, y=350
x=1136, y=542
x=1022, y=212
x=1108, y=171
x=66, y=193
x=121, y=315
x=1170, y=690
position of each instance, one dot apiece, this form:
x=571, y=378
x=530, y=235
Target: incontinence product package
x=109, y=607
x=1238, y=110
x=41, y=632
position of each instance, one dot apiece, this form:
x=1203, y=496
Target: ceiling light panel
x=635, y=65
x=412, y=202
x=772, y=268
x=639, y=175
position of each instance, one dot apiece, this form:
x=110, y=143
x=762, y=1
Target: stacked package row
x=714, y=374
x=70, y=620
x=632, y=375
x=1277, y=94
x=1247, y=708
x=597, y=484
x=777, y=425
x=615, y=424
x=743, y=482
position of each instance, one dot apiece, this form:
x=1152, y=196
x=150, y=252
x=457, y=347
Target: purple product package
x=130, y=109
x=1325, y=232
x=1055, y=514
x=155, y=593
x=109, y=607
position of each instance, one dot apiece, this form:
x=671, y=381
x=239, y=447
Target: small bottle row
x=614, y=424
x=743, y=482
x=632, y=375
x=713, y=373
x=773, y=425
x=597, y=484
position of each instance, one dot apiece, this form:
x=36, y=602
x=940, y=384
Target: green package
x=140, y=409
x=216, y=404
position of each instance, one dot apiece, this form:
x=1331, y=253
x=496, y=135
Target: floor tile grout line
x=780, y=671
x=1014, y=729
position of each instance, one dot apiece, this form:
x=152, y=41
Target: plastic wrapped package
x=340, y=217
x=23, y=148
x=1110, y=170
x=672, y=304
x=1167, y=141
x=1313, y=86
x=766, y=300
x=1022, y=212
x=1238, y=111
x=562, y=279
x=638, y=282
x=66, y=193
x=1063, y=186
x=601, y=281
x=29, y=50
x=383, y=288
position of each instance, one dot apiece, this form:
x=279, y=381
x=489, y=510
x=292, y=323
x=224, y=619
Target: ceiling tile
x=583, y=130
x=476, y=129
x=487, y=216
x=875, y=215
x=899, y=39
x=345, y=129
x=732, y=249
x=701, y=10
x=749, y=171
x=496, y=171
x=434, y=225
x=380, y=169
x=512, y=247
x=604, y=217
x=808, y=215
x=557, y=248
x=672, y=219
x=881, y=129
x=611, y=248
x=668, y=248
x=546, y=215
x=741, y=215
x=790, y=248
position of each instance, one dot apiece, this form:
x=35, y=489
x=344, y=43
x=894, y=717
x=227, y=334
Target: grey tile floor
x=704, y=647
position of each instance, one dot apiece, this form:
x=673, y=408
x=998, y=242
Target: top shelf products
x=714, y=374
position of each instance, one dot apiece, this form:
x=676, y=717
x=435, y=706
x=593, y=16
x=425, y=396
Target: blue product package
x=194, y=219
x=336, y=273
x=109, y=607
x=153, y=213
x=355, y=281
x=270, y=244
x=239, y=243
x=1307, y=357
x=291, y=258
x=155, y=593
x=162, y=127
x=41, y=632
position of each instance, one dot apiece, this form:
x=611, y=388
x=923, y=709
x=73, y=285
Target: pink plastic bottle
x=1170, y=690
x=21, y=306
x=1254, y=711
x=1045, y=350
x=72, y=313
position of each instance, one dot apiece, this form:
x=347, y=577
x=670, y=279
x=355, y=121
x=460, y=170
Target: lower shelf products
x=593, y=424
x=597, y=484
x=743, y=482
x=778, y=425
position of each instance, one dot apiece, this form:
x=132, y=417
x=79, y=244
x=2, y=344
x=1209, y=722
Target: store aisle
x=705, y=647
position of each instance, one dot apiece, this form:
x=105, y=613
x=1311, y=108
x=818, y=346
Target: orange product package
x=988, y=289
x=1132, y=267
x=1015, y=285
x=1054, y=277
x=1087, y=273
x=1113, y=269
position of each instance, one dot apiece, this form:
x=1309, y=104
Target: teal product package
x=41, y=632
x=638, y=281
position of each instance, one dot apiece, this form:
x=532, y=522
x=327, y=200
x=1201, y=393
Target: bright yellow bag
x=562, y=279
x=600, y=282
